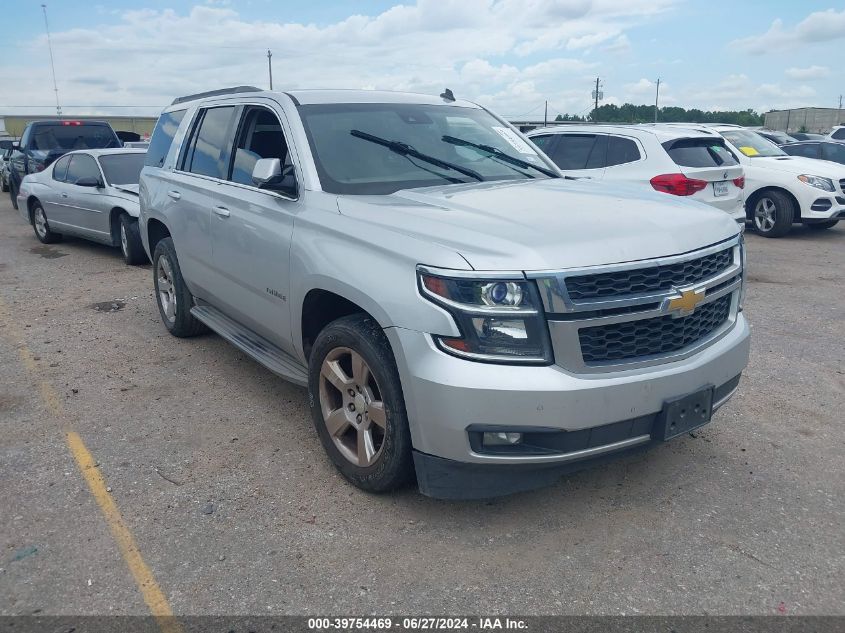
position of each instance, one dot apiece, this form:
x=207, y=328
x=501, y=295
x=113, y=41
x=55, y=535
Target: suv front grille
x=644, y=280
x=648, y=337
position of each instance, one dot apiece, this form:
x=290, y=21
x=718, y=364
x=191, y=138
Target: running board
x=258, y=347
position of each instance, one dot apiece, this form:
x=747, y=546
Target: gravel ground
x=218, y=473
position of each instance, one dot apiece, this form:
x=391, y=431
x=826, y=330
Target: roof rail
x=215, y=93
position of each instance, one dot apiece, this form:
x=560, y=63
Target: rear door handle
x=174, y=194
x=223, y=212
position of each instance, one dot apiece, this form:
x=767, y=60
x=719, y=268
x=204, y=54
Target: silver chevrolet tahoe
x=459, y=311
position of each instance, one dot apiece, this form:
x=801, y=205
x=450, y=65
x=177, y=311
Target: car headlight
x=500, y=320
x=825, y=184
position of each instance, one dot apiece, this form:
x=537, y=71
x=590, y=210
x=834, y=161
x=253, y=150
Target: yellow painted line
x=150, y=589
x=153, y=595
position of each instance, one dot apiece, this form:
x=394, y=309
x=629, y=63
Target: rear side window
x=82, y=166
x=580, y=151
x=162, y=137
x=700, y=152
x=621, y=150
x=839, y=134
x=211, y=142
x=60, y=170
x=66, y=138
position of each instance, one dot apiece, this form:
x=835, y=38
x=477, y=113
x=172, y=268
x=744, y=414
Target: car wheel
x=172, y=295
x=357, y=404
x=818, y=226
x=772, y=214
x=13, y=194
x=130, y=241
x=42, y=227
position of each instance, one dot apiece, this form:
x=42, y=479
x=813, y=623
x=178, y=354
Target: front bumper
x=823, y=207
x=445, y=396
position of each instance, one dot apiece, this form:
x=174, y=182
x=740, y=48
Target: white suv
x=692, y=163
x=783, y=189
x=837, y=133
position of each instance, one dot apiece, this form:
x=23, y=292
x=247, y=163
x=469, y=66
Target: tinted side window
x=211, y=144
x=60, y=170
x=574, y=151
x=162, y=137
x=810, y=150
x=699, y=152
x=260, y=136
x=834, y=152
x=839, y=134
x=621, y=150
x=82, y=166
x=543, y=142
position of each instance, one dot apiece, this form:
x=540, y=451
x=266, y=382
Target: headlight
x=501, y=320
x=825, y=184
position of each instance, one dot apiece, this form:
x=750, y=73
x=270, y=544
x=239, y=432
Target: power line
x=52, y=66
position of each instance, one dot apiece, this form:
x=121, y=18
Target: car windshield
x=122, y=169
x=752, y=144
x=380, y=148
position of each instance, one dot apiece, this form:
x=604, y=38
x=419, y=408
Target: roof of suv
x=324, y=96
x=663, y=132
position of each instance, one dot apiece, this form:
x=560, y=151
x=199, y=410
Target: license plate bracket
x=681, y=415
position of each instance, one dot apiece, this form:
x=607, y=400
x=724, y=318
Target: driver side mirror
x=89, y=181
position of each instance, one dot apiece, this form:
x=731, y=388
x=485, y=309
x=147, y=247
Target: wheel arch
x=156, y=231
x=319, y=308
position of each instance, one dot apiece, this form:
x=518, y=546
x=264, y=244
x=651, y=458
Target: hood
x=546, y=224
x=800, y=165
x=127, y=188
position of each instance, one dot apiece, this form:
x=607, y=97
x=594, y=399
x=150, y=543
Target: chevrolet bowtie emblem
x=685, y=304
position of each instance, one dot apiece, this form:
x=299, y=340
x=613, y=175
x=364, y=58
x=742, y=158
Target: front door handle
x=174, y=194
x=223, y=212
x=64, y=195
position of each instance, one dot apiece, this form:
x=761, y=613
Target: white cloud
x=809, y=73
x=821, y=26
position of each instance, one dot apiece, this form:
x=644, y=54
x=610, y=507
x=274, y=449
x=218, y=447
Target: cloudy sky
x=510, y=55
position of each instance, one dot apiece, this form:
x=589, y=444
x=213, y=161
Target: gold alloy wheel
x=352, y=407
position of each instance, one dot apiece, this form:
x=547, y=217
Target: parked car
x=775, y=136
x=90, y=194
x=807, y=136
x=4, y=168
x=42, y=142
x=691, y=163
x=781, y=189
x=837, y=133
x=456, y=308
x=833, y=151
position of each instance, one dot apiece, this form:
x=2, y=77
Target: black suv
x=42, y=142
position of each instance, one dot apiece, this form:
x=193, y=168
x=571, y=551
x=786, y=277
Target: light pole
x=656, y=99
x=52, y=66
x=270, y=66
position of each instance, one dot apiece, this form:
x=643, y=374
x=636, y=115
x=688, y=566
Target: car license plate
x=684, y=414
x=720, y=188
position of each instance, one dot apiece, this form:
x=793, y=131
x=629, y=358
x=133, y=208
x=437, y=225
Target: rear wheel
x=172, y=294
x=130, y=241
x=42, y=227
x=818, y=226
x=357, y=404
x=772, y=214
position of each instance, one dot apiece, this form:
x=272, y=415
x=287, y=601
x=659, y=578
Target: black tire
x=182, y=323
x=392, y=467
x=5, y=184
x=13, y=193
x=42, y=232
x=131, y=247
x=818, y=226
x=781, y=213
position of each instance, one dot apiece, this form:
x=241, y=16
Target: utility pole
x=546, y=115
x=270, y=66
x=840, y=110
x=597, y=94
x=52, y=66
x=656, y=99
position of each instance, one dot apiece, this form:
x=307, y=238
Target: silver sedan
x=92, y=194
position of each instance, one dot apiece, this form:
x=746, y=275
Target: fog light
x=501, y=439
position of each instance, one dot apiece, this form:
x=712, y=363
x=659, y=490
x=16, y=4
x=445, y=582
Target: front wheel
x=357, y=404
x=772, y=214
x=818, y=226
x=42, y=227
x=130, y=241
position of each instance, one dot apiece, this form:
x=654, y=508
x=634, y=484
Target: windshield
x=122, y=169
x=752, y=144
x=380, y=148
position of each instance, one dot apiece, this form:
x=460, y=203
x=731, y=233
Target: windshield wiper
x=403, y=149
x=493, y=151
